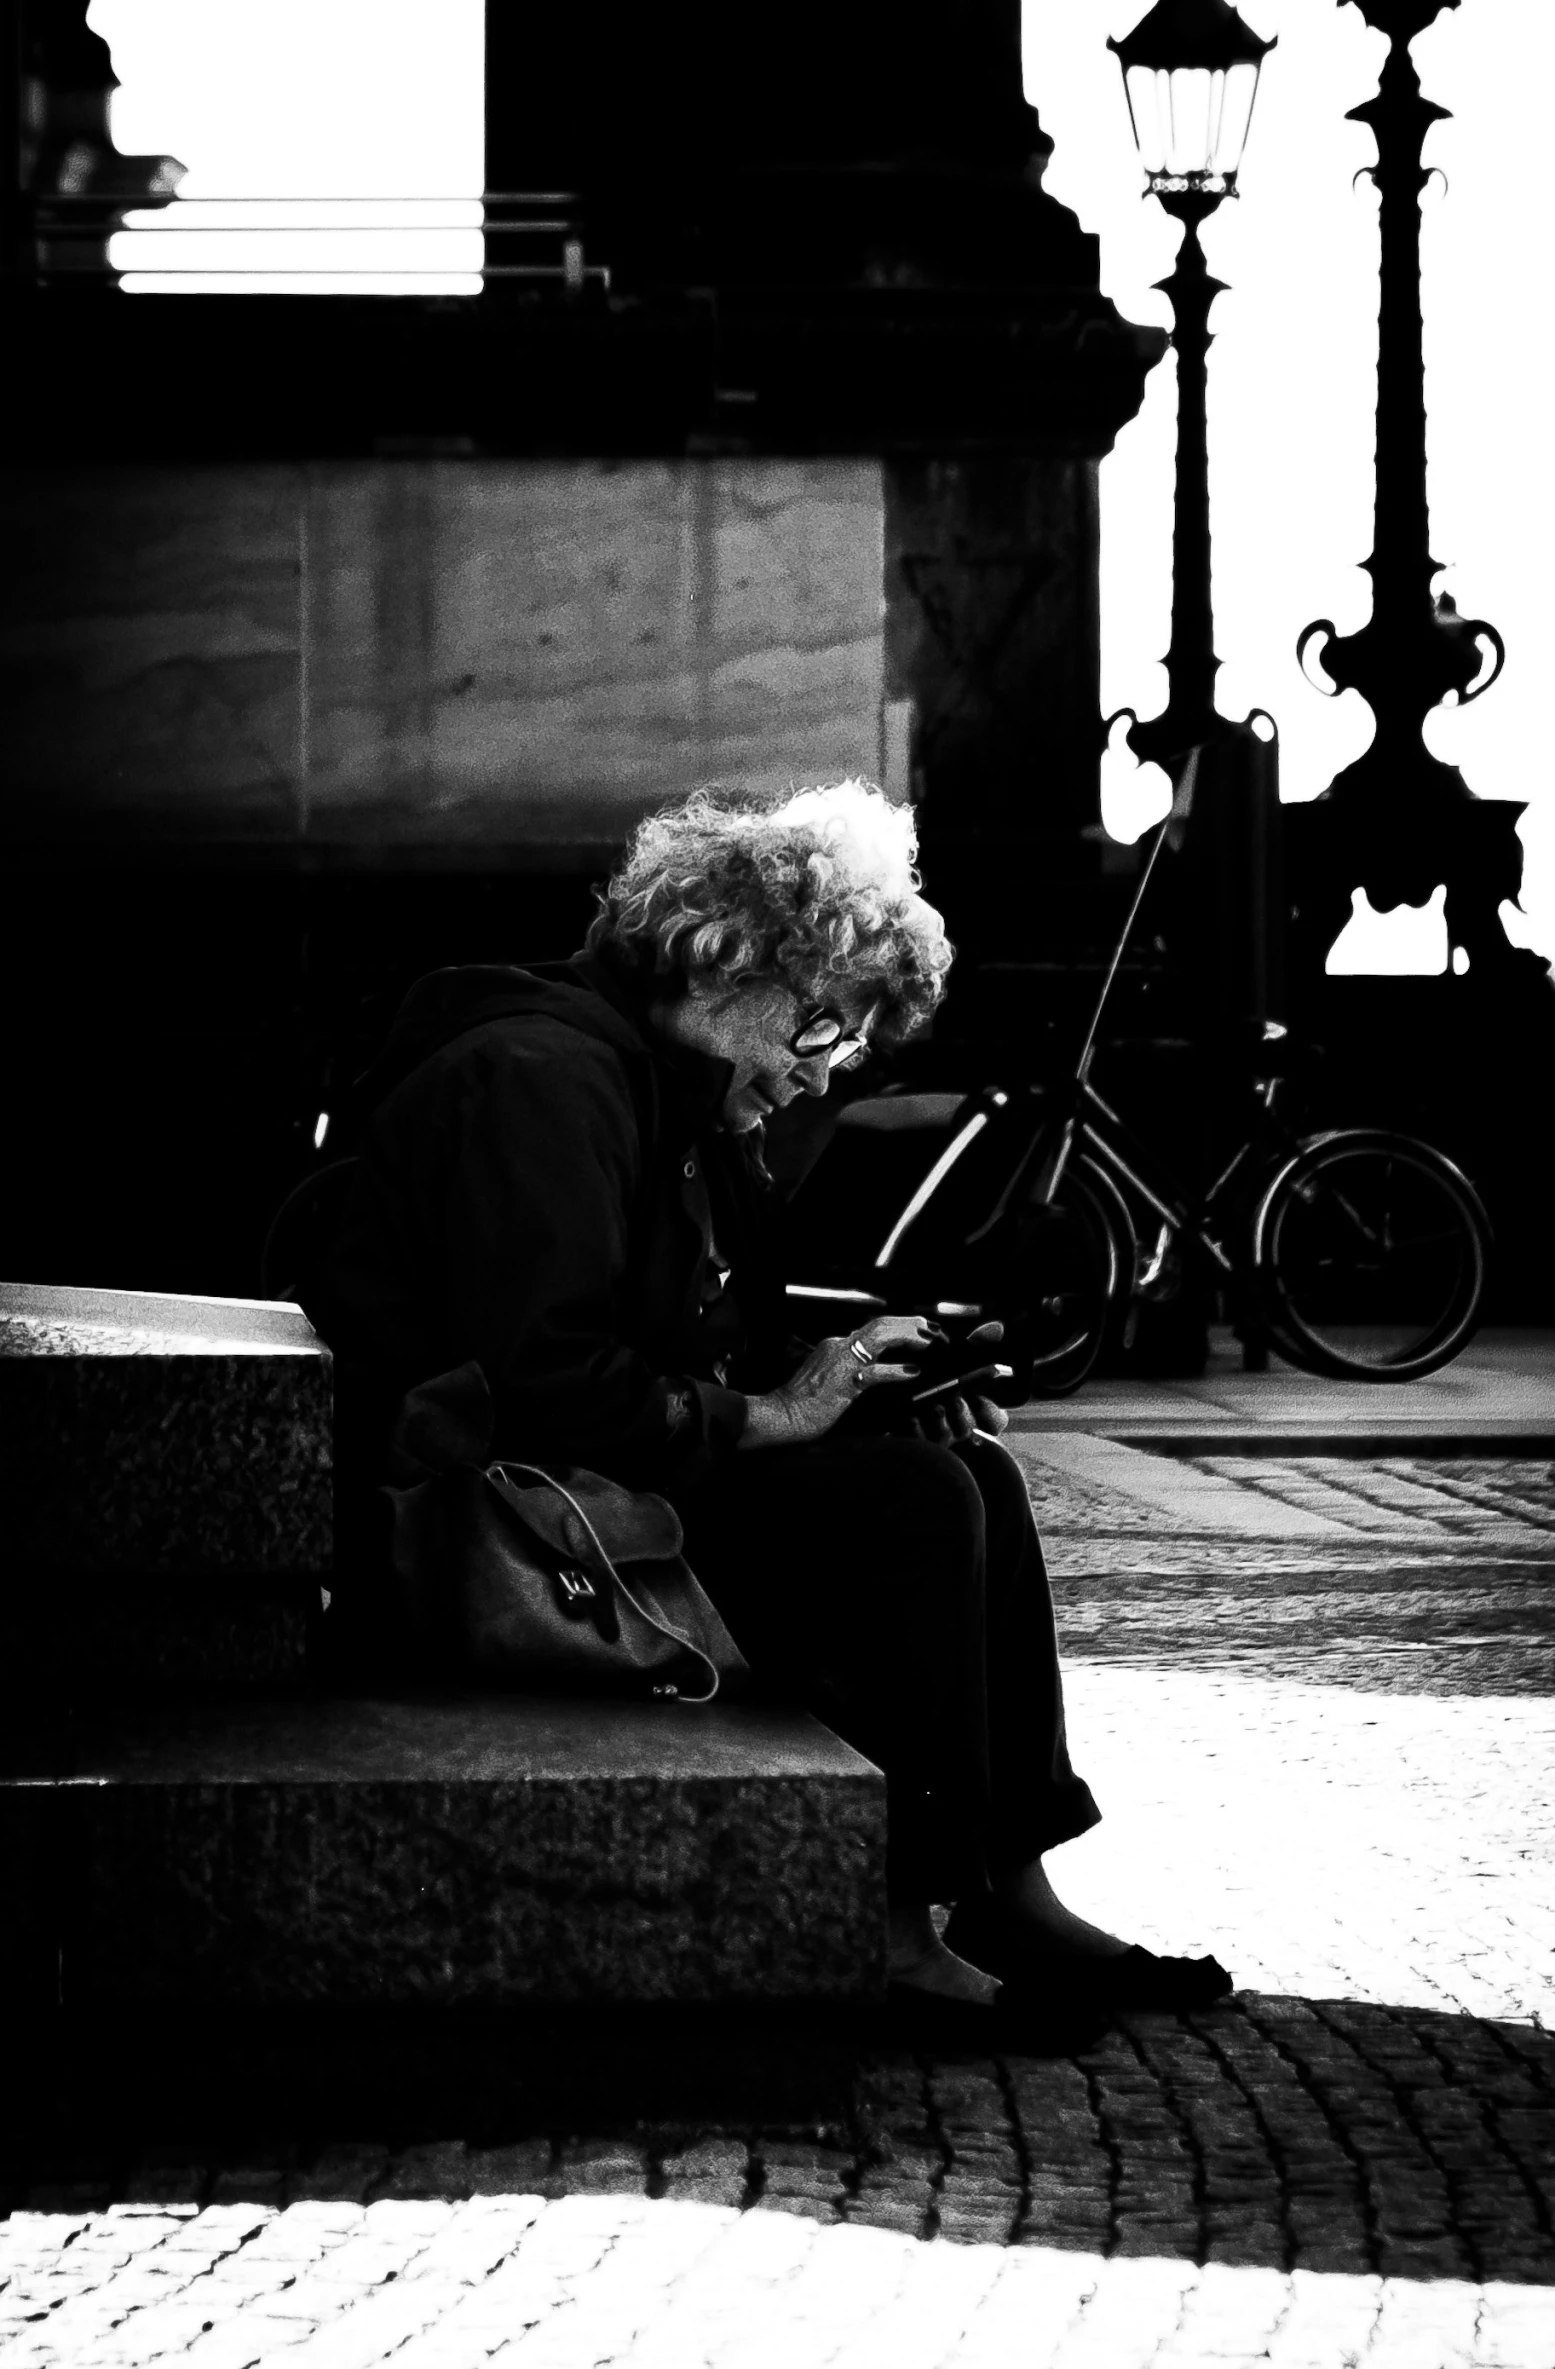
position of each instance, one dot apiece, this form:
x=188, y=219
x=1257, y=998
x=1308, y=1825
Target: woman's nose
x=814, y=1074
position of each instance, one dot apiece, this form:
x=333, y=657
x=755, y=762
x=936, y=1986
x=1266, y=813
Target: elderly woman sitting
x=562, y=1179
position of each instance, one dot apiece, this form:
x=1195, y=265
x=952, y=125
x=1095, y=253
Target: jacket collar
x=701, y=1080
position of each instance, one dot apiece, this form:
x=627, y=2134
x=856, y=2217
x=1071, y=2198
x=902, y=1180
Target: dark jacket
x=539, y=1187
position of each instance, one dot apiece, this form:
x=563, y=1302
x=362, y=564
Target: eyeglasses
x=826, y=1031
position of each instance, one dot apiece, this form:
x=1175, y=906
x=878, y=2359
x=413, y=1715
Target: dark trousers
x=898, y=1590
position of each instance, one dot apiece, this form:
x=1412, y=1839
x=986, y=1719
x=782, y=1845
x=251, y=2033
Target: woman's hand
x=833, y=1377
x=944, y=1420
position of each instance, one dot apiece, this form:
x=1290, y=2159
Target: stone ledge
x=450, y=1849
x=99, y=1320
x=153, y=1432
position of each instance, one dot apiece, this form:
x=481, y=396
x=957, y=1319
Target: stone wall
x=431, y=652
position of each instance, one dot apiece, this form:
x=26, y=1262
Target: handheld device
x=959, y=1366
x=945, y=1370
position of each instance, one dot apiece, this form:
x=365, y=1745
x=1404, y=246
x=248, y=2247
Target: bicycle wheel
x=1371, y=1252
x=1065, y=1277
x=1089, y=1190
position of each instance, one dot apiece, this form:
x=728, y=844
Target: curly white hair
x=819, y=888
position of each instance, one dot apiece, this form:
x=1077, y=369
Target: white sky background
x=283, y=99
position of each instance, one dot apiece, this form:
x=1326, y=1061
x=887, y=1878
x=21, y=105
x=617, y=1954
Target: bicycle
x=1356, y=1252
x=1360, y=1253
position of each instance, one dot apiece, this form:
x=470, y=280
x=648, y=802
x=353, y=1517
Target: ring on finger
x=858, y=1350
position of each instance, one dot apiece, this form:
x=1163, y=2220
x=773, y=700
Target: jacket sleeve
x=527, y=1207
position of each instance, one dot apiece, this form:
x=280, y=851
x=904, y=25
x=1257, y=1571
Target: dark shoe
x=1139, y=1979
x=983, y=1935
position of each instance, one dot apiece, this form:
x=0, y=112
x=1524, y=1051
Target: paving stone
x=728, y=2189
x=521, y=2169
x=169, y=2327
x=303, y=2233
x=812, y=2148
x=1251, y=2244
x=305, y=2299
x=343, y=2173
x=88, y=2193
x=478, y=2235
x=437, y=2167
x=1047, y=2223
x=708, y=2159
x=804, y=2207
x=601, y=2167
x=373, y=2328
x=787, y=2179
x=1147, y=2235
x=885, y=2208
x=259, y=2177
x=169, y=2177
x=707, y=2171
x=246, y=2339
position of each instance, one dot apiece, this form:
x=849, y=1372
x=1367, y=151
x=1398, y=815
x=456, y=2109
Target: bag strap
x=498, y=1474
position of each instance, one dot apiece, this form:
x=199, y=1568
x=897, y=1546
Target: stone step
x=157, y=1433
x=74, y=1638
x=281, y=1851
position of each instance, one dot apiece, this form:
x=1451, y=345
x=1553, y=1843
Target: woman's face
x=752, y=1025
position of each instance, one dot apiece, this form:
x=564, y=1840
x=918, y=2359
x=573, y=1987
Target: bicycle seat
x=1269, y=1049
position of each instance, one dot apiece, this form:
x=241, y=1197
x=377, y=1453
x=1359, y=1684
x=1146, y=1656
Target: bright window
x=332, y=147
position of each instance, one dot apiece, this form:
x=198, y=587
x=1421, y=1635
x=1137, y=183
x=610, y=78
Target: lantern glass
x=1190, y=123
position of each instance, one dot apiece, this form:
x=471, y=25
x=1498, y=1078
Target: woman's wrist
x=769, y=1420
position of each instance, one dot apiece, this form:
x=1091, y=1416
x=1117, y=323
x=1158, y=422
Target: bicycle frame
x=1088, y=1114
x=1175, y=1213
x=1179, y=1211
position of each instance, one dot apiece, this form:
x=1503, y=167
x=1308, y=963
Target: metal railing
x=399, y=244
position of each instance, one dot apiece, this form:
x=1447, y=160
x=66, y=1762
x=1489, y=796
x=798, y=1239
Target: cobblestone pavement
x=1384, y=1575
x=1313, y=1696
x=600, y=2278
x=1118, y=1497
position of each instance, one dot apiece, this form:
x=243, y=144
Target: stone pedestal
x=992, y=632
x=291, y=1851
x=147, y=1432
x=164, y=1490
x=175, y=1829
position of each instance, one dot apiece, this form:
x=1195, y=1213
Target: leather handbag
x=549, y=1581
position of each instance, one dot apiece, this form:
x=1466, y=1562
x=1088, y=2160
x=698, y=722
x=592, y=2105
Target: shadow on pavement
x=1287, y=2133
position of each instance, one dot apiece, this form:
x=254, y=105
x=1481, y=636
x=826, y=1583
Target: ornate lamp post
x=1190, y=73
x=1399, y=822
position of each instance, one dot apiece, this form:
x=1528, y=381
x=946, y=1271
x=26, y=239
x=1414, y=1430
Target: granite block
x=65, y=1634
x=147, y=1432
x=443, y=1849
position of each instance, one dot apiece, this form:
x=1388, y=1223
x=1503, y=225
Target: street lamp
x=1399, y=822
x=1190, y=75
